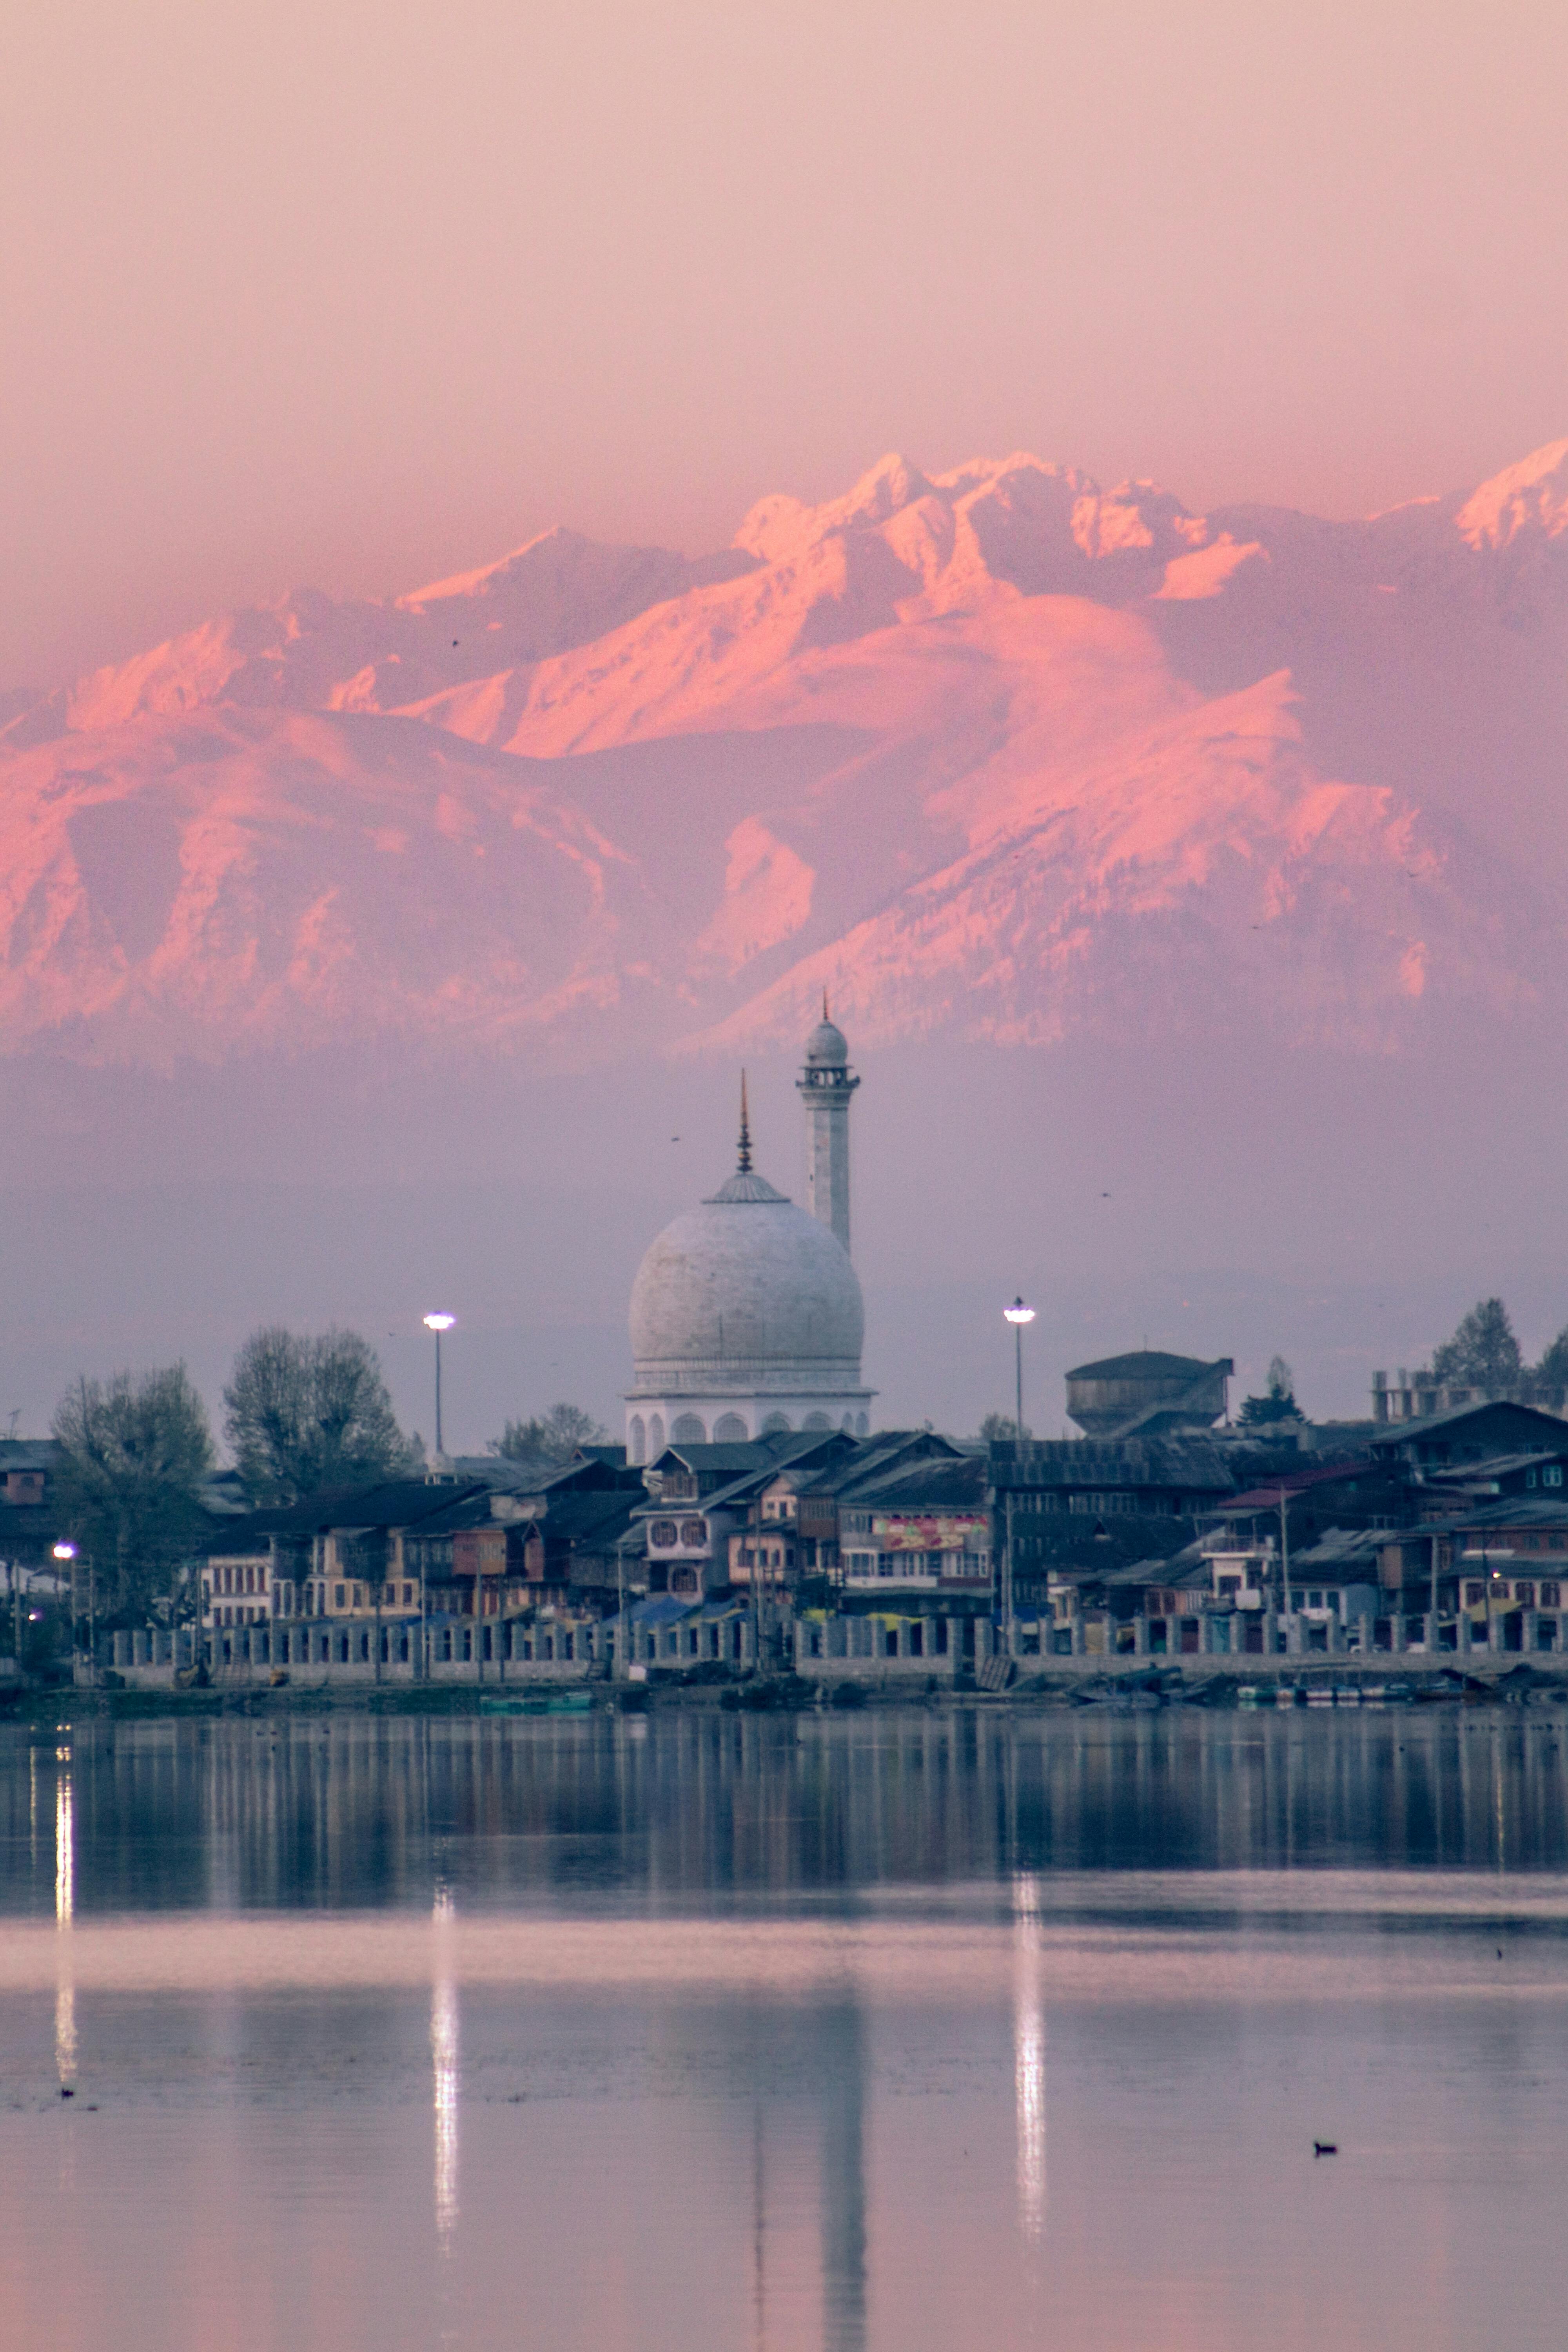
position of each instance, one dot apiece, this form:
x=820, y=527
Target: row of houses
x=1464, y=1515
x=1452, y=1528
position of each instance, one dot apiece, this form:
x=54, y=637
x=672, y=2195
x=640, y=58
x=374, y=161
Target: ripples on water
x=706, y=2030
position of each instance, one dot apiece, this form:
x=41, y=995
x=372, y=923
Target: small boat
x=573, y=1701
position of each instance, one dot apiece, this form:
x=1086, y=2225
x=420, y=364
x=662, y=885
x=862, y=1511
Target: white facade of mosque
x=746, y=1313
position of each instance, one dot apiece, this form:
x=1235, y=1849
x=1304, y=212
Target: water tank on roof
x=1177, y=1391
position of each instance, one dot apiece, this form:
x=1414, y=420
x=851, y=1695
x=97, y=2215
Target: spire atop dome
x=743, y=1165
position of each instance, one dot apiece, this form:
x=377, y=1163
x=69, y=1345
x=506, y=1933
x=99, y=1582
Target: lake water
x=908, y=2030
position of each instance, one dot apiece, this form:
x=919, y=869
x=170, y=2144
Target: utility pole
x=1007, y=1580
x=757, y=1586
x=1284, y=1556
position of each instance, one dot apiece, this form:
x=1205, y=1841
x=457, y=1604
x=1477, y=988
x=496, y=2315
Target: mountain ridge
x=998, y=753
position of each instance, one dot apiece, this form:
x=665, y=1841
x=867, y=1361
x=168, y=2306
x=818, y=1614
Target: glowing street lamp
x=438, y=1323
x=1019, y=1315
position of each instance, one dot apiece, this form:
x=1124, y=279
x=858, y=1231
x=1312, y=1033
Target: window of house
x=1551, y=1595
x=887, y=1563
x=662, y=1534
x=1473, y=1595
x=1529, y=1477
x=1553, y=1476
x=693, y=1532
x=1525, y=1595
x=339, y=1596
x=1230, y=1585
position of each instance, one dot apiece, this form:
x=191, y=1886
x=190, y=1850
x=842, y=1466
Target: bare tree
x=135, y=1450
x=303, y=1413
x=555, y=1435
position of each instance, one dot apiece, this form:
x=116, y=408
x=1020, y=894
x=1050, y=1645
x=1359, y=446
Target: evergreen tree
x=1553, y=1369
x=1277, y=1402
x=1482, y=1353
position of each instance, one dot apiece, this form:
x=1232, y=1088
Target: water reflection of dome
x=746, y=1313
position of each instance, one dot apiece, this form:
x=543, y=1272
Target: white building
x=746, y=1313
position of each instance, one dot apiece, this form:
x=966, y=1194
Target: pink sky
x=353, y=296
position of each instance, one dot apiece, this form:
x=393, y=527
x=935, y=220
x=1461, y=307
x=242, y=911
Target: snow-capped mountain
x=995, y=754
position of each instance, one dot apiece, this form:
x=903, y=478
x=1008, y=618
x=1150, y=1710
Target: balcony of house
x=766, y=1557
x=893, y=1571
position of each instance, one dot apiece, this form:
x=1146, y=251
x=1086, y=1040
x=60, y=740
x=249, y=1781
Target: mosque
x=746, y=1313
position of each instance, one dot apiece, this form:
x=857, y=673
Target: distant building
x=746, y=1314
x=1421, y=1396
x=1471, y=1432
x=28, y=1467
x=1146, y=1393
x=1080, y=1507
x=920, y=1531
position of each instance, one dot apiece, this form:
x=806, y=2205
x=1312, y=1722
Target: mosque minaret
x=746, y=1314
x=825, y=1087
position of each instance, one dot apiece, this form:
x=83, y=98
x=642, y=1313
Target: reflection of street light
x=438, y=1323
x=1019, y=1315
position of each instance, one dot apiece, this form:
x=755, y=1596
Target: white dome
x=745, y=1291
x=826, y=1047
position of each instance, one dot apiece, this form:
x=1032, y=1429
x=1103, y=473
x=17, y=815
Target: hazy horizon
x=299, y=299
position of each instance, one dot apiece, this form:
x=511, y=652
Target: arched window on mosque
x=636, y=1436
x=774, y=1423
x=728, y=1430
x=816, y=1420
x=688, y=1431
x=655, y=1435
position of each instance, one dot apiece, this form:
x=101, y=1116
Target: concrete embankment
x=1067, y=1683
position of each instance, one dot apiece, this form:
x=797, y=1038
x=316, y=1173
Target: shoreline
x=1079, y=1682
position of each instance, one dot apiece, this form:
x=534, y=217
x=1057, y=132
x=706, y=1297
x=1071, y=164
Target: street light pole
x=64, y=1552
x=1019, y=1315
x=438, y=1323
